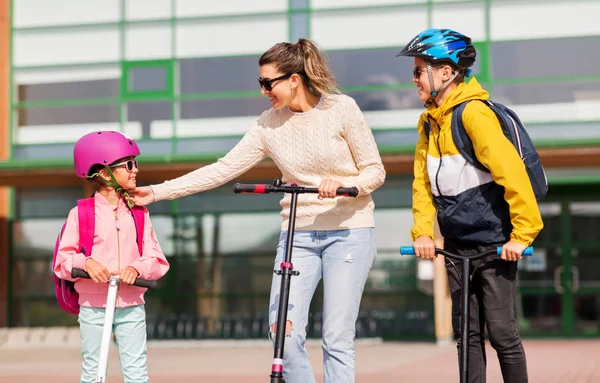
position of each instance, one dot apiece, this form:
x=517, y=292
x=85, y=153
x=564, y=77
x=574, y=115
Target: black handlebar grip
x=139, y=282
x=79, y=273
x=350, y=192
x=253, y=188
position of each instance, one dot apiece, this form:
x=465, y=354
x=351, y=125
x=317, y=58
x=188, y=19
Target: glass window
x=316, y=4
x=193, y=8
x=224, y=107
x=371, y=67
x=520, y=20
x=299, y=26
x=376, y=67
x=388, y=100
x=218, y=74
x=546, y=93
x=346, y=29
x=61, y=115
x=68, y=90
x=298, y=4
x=63, y=46
x=63, y=123
x=147, y=78
x=32, y=13
x=55, y=202
x=71, y=83
x=545, y=58
x=145, y=113
x=147, y=9
x=148, y=41
x=230, y=36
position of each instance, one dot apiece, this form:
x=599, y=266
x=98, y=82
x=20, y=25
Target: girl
x=316, y=137
x=108, y=159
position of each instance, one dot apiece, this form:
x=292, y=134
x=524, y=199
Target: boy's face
x=125, y=171
x=439, y=74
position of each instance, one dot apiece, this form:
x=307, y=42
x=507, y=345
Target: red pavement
x=549, y=361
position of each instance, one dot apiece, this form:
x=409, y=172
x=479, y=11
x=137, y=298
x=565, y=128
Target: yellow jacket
x=474, y=207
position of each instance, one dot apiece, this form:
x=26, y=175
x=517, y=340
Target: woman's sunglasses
x=268, y=84
x=129, y=165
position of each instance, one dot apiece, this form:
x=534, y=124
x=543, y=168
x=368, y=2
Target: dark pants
x=492, y=306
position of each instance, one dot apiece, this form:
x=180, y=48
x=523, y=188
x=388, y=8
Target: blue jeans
x=130, y=332
x=343, y=259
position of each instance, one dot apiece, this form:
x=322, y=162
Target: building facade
x=179, y=76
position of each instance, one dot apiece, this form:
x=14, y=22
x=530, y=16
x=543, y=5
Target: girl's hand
x=128, y=275
x=425, y=247
x=97, y=272
x=143, y=195
x=328, y=188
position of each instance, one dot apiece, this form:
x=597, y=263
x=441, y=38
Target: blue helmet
x=442, y=45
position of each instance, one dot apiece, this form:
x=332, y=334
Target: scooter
x=287, y=268
x=109, y=315
x=465, y=286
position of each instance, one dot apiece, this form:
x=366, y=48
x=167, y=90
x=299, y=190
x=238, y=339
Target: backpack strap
x=86, y=215
x=461, y=138
x=427, y=128
x=139, y=220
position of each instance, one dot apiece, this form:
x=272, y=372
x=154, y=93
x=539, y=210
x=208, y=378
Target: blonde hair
x=306, y=59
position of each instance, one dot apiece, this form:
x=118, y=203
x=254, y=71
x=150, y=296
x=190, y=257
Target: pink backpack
x=67, y=296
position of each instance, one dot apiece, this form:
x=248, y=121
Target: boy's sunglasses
x=417, y=71
x=268, y=84
x=129, y=165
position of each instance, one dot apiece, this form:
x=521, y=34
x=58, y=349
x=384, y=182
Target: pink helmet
x=101, y=148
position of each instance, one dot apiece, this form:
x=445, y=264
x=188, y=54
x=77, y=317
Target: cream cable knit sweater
x=333, y=141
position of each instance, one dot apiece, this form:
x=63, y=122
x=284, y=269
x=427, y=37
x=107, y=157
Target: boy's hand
x=512, y=251
x=128, y=275
x=97, y=272
x=425, y=247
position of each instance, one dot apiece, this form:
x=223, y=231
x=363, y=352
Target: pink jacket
x=115, y=247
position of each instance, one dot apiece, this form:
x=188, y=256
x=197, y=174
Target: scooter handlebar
x=410, y=250
x=139, y=282
x=266, y=189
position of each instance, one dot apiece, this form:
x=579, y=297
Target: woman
x=477, y=211
x=316, y=137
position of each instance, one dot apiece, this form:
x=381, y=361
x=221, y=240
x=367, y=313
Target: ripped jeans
x=343, y=259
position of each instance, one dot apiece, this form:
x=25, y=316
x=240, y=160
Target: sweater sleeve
x=247, y=153
x=423, y=205
x=153, y=264
x=499, y=156
x=362, y=144
x=67, y=255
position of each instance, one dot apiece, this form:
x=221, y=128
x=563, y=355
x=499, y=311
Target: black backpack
x=513, y=129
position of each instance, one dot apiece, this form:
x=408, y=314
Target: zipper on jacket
x=118, y=251
x=437, y=141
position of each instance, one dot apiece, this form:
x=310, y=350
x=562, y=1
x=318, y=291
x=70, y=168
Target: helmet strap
x=434, y=92
x=112, y=183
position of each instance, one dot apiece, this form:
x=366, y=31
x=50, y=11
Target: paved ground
x=550, y=361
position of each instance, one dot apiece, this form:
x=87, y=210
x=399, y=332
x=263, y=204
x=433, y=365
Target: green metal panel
x=128, y=94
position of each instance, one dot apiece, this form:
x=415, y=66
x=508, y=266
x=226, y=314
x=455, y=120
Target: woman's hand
x=425, y=247
x=328, y=188
x=142, y=195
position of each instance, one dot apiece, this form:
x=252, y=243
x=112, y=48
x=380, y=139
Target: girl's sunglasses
x=268, y=84
x=129, y=165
